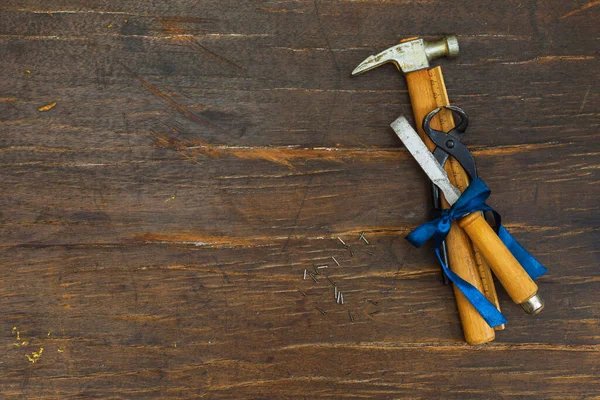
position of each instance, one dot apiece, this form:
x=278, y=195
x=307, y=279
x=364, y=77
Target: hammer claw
x=374, y=61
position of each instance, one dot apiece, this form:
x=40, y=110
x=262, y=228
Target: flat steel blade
x=426, y=160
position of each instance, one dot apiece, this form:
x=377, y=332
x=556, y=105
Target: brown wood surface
x=157, y=220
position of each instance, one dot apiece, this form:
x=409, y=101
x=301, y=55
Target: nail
x=341, y=241
x=323, y=266
x=339, y=296
x=321, y=311
x=335, y=295
x=342, y=298
x=314, y=278
x=316, y=269
x=303, y=292
x=362, y=237
x=304, y=274
x=330, y=280
x=351, y=316
x=336, y=261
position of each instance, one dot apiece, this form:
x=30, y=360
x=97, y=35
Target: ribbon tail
x=532, y=266
x=488, y=311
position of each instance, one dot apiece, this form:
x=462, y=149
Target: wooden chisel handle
x=518, y=284
x=460, y=254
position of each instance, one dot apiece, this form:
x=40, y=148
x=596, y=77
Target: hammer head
x=411, y=55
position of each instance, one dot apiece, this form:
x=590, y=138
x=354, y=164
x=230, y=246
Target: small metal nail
x=341, y=298
x=314, y=278
x=304, y=274
x=335, y=292
x=323, y=266
x=362, y=237
x=341, y=241
x=321, y=310
x=330, y=280
x=351, y=252
x=303, y=292
x=336, y=261
x=351, y=316
x=316, y=269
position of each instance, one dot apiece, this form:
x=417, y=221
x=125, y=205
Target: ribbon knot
x=473, y=200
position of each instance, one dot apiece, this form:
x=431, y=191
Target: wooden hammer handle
x=460, y=254
x=518, y=284
x=462, y=181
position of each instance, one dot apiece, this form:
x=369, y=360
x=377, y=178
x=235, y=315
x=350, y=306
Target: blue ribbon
x=473, y=200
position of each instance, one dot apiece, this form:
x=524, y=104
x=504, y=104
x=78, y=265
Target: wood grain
x=156, y=223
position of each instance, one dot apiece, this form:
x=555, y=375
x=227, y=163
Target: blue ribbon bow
x=473, y=200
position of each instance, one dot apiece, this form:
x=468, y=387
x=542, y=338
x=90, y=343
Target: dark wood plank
x=157, y=221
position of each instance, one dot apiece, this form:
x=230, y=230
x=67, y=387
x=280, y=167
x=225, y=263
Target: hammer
x=412, y=57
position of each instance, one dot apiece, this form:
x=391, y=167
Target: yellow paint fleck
x=60, y=351
x=109, y=26
x=49, y=332
x=47, y=107
x=175, y=344
x=27, y=71
x=171, y=198
x=35, y=355
x=125, y=20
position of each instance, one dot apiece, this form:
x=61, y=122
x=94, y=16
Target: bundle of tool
x=469, y=239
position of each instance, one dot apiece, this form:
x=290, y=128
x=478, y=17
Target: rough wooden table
x=156, y=222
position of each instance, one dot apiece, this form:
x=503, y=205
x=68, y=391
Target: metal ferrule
x=533, y=305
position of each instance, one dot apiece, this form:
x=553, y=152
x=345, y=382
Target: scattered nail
x=304, y=274
x=351, y=316
x=316, y=269
x=330, y=280
x=336, y=261
x=362, y=237
x=321, y=310
x=335, y=292
x=303, y=292
x=314, y=278
x=341, y=241
x=351, y=252
x=341, y=298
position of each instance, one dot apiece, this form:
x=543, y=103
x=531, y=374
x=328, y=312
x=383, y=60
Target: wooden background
x=155, y=223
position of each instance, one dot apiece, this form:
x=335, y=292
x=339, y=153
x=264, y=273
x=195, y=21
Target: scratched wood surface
x=156, y=221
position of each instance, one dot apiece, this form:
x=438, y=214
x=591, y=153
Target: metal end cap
x=452, y=45
x=533, y=305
